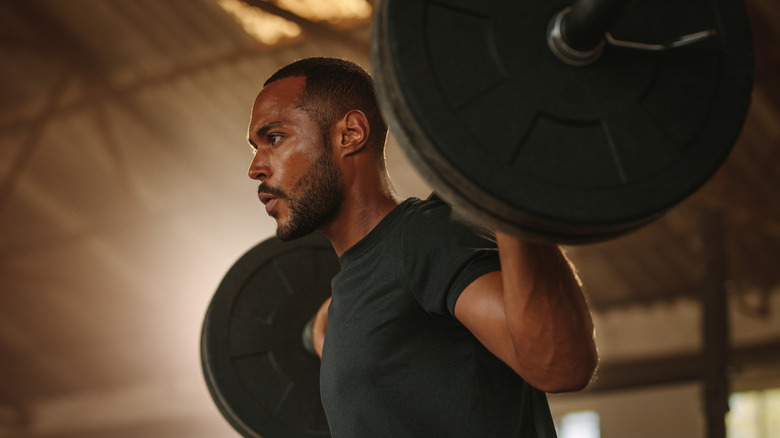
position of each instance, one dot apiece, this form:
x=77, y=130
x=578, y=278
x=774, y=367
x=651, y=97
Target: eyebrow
x=263, y=130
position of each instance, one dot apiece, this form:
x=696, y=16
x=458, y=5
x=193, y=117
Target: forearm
x=547, y=316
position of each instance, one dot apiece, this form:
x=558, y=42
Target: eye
x=274, y=138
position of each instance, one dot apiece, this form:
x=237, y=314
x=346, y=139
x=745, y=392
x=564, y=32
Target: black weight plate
x=515, y=137
x=257, y=370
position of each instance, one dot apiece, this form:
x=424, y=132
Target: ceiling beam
x=30, y=144
x=359, y=45
x=753, y=218
x=681, y=368
x=235, y=54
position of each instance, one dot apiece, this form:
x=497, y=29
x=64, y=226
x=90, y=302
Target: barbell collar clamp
x=562, y=49
x=682, y=41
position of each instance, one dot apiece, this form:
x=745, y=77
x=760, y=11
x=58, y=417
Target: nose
x=260, y=169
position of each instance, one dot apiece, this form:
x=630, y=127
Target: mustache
x=273, y=191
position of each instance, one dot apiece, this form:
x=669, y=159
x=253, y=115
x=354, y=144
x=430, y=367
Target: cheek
x=293, y=167
x=288, y=169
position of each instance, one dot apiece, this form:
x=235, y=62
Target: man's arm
x=533, y=316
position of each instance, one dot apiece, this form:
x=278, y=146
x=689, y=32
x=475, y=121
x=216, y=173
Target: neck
x=365, y=204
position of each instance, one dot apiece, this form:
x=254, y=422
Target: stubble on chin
x=317, y=199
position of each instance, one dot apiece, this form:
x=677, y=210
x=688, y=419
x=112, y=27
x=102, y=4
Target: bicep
x=480, y=308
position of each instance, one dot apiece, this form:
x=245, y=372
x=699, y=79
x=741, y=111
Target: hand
x=319, y=327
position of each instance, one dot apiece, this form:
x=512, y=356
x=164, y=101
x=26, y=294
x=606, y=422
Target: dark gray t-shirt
x=396, y=362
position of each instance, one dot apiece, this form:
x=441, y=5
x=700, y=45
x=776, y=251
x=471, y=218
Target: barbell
x=566, y=123
x=564, y=139
x=261, y=376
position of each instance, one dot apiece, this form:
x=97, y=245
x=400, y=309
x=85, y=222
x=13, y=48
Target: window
x=754, y=414
x=583, y=424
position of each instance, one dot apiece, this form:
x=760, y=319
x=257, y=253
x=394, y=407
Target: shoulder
x=442, y=254
x=428, y=211
x=434, y=219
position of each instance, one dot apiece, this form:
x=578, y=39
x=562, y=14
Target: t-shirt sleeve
x=443, y=254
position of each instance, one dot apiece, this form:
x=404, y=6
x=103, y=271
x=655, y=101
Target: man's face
x=301, y=184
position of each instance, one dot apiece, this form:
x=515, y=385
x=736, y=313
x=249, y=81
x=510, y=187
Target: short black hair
x=334, y=87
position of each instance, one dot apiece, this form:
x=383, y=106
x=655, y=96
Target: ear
x=350, y=134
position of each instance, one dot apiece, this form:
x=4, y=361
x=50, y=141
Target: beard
x=314, y=200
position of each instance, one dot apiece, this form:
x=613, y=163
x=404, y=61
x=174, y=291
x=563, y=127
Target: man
x=431, y=331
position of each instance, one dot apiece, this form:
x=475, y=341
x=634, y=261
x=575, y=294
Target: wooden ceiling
x=123, y=201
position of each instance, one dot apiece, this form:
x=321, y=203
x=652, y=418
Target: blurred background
x=124, y=200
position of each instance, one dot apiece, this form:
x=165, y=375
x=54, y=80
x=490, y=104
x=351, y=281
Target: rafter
x=88, y=66
x=681, y=368
x=35, y=130
x=358, y=45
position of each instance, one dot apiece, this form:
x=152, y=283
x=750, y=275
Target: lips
x=269, y=206
x=268, y=200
